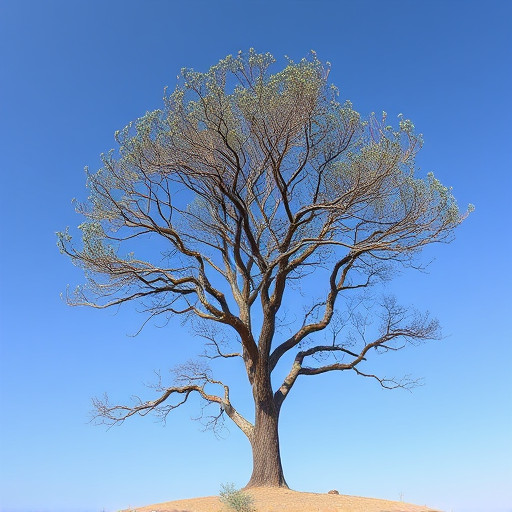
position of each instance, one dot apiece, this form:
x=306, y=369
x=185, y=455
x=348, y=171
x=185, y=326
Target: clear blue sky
x=73, y=72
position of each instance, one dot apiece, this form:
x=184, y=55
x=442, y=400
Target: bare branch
x=405, y=382
x=194, y=377
x=399, y=328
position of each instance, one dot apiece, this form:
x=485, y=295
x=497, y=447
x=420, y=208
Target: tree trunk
x=266, y=459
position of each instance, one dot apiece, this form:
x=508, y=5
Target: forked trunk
x=267, y=469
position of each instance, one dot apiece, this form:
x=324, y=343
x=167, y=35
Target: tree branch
x=196, y=378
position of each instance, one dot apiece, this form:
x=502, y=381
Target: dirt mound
x=284, y=500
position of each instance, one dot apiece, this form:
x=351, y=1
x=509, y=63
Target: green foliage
x=242, y=159
x=236, y=499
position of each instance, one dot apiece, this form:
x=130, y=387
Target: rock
x=333, y=491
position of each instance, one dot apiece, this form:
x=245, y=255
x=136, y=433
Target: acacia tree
x=244, y=185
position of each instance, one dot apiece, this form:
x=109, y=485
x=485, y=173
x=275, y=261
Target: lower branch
x=116, y=414
x=108, y=414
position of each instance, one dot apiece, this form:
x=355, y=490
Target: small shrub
x=236, y=499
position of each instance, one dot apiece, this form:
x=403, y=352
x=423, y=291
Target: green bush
x=236, y=499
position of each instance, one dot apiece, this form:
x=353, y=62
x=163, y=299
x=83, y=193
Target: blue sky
x=74, y=72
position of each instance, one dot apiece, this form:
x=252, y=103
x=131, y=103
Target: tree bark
x=267, y=468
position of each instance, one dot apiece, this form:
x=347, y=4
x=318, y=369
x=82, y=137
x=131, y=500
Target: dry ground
x=281, y=500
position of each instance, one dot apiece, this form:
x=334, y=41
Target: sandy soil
x=281, y=500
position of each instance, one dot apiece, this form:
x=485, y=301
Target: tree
x=245, y=186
